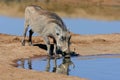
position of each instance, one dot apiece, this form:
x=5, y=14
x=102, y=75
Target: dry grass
x=97, y=9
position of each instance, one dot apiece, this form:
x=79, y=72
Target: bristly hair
x=36, y=6
x=54, y=18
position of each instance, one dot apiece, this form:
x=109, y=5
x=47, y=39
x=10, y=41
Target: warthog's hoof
x=30, y=44
x=23, y=42
x=57, y=56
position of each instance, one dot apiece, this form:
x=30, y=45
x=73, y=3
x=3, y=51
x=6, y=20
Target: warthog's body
x=47, y=24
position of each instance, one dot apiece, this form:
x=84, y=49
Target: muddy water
x=101, y=67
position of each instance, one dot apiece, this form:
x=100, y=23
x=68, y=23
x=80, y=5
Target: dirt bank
x=11, y=49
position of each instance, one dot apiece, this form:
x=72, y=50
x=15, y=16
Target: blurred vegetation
x=77, y=8
x=52, y=5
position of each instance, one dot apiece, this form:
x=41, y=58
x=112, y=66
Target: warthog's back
x=41, y=20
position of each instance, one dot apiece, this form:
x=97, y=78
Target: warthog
x=47, y=24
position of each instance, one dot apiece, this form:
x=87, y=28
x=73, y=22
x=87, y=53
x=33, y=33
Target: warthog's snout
x=63, y=41
x=63, y=52
x=62, y=49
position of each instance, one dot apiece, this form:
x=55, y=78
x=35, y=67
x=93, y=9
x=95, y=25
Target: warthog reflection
x=63, y=68
x=22, y=63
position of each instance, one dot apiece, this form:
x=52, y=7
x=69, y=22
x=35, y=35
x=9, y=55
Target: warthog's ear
x=58, y=30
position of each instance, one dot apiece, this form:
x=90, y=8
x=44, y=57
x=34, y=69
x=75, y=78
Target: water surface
x=15, y=26
x=9, y=25
x=102, y=67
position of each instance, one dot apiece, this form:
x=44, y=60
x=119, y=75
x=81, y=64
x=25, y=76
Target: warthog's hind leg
x=24, y=34
x=30, y=37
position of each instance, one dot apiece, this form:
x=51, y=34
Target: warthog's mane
x=53, y=17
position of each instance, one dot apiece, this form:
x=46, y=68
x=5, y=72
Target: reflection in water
x=22, y=63
x=63, y=68
x=29, y=63
x=103, y=67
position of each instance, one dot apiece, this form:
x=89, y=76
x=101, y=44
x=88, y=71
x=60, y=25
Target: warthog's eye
x=62, y=38
x=57, y=34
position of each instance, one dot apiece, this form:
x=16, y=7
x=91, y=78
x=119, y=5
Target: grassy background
x=97, y=9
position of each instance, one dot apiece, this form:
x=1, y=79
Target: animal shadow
x=43, y=46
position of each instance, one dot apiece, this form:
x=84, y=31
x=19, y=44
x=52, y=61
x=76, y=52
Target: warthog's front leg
x=47, y=42
x=55, y=47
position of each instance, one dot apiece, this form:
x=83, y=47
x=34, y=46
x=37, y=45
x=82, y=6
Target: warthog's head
x=63, y=40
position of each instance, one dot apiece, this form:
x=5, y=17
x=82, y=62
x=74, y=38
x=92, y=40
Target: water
x=102, y=67
x=12, y=26
x=15, y=26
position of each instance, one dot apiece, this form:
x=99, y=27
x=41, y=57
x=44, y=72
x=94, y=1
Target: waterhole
x=100, y=67
x=15, y=26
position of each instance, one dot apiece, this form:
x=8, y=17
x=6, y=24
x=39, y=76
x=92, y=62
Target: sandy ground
x=11, y=50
